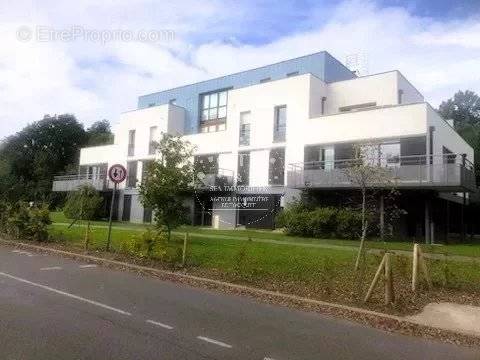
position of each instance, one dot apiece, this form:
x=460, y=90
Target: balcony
x=436, y=172
x=73, y=182
x=216, y=181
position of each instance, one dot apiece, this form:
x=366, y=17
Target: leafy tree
x=83, y=204
x=168, y=182
x=30, y=158
x=464, y=109
x=99, y=133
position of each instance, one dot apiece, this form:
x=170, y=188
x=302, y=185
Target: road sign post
x=117, y=174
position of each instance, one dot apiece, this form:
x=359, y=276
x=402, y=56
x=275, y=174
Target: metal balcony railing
x=74, y=181
x=449, y=172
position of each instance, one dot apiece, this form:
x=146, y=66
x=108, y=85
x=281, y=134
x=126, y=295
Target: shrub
x=25, y=222
x=322, y=222
x=348, y=224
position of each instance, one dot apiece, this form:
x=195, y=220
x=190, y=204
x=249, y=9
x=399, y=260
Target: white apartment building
x=285, y=128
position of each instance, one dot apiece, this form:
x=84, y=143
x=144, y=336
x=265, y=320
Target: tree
x=367, y=175
x=99, y=133
x=83, y=204
x=30, y=158
x=464, y=109
x=169, y=182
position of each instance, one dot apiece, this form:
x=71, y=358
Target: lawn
x=471, y=250
x=321, y=273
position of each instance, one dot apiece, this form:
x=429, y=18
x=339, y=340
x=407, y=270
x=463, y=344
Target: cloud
x=96, y=81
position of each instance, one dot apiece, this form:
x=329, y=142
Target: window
x=448, y=156
x=265, y=80
x=276, y=170
x=207, y=164
x=244, y=136
x=131, y=143
x=400, y=96
x=131, y=174
x=214, y=106
x=243, y=172
x=145, y=168
x=127, y=207
x=151, y=140
x=292, y=73
x=280, y=123
x=324, y=99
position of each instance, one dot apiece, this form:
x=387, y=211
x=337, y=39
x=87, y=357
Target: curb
x=402, y=323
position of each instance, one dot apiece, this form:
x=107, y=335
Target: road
x=57, y=308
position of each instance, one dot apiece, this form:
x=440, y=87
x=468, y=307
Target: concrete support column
x=382, y=217
x=427, y=221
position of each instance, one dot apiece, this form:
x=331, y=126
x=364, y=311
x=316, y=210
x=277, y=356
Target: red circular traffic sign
x=117, y=173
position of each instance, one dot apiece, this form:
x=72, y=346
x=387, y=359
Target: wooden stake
x=415, y=268
x=184, y=249
x=375, y=279
x=389, y=295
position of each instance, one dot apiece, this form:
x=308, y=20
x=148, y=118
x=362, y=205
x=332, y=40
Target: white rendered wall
x=410, y=93
x=380, y=88
x=445, y=135
x=383, y=123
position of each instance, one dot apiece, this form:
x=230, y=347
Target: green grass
x=317, y=272
x=471, y=250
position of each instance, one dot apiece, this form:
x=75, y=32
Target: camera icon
x=24, y=33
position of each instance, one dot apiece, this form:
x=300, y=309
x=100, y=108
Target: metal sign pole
x=110, y=217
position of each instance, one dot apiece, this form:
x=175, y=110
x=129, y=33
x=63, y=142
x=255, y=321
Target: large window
x=244, y=136
x=243, y=173
x=151, y=140
x=213, y=111
x=276, y=171
x=280, y=123
x=131, y=174
x=131, y=143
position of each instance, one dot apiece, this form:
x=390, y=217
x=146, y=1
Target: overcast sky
x=435, y=44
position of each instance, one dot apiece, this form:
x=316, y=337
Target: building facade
x=263, y=136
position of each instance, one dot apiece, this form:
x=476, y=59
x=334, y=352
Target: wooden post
x=375, y=279
x=389, y=295
x=184, y=249
x=415, y=268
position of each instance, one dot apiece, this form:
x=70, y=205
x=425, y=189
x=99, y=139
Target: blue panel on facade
x=322, y=65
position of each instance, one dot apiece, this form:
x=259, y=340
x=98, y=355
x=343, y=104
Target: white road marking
x=213, y=341
x=165, y=326
x=60, y=292
x=87, y=266
x=268, y=358
x=51, y=268
x=22, y=252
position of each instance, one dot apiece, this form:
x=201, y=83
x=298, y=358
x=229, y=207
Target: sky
x=94, y=58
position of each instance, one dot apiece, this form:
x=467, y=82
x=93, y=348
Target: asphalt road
x=56, y=308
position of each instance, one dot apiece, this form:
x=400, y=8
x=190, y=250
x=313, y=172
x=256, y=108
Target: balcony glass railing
x=447, y=172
